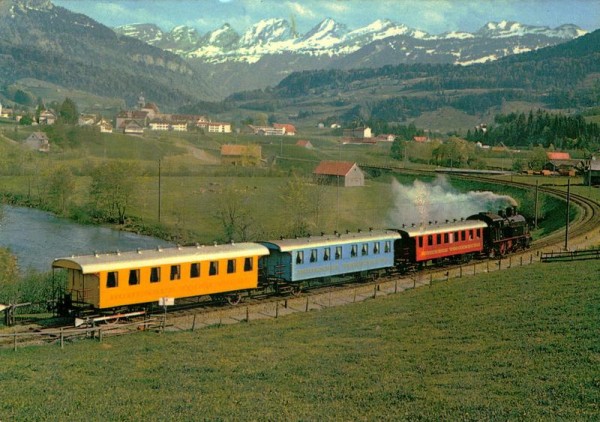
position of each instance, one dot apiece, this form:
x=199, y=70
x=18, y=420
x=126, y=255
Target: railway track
x=583, y=233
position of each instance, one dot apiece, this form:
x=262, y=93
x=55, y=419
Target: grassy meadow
x=520, y=344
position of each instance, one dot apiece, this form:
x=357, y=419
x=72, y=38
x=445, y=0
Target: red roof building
x=342, y=173
x=288, y=129
x=558, y=156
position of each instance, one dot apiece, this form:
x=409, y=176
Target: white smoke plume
x=438, y=201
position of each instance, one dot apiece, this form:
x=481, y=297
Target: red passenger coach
x=436, y=242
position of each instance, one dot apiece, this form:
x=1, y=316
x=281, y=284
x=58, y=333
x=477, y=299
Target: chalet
x=132, y=127
x=359, y=132
x=105, y=126
x=47, y=117
x=420, y=139
x=240, y=155
x=304, y=144
x=140, y=116
x=288, y=129
x=87, y=119
x=340, y=173
x=38, y=141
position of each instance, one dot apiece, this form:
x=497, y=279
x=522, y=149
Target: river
x=37, y=238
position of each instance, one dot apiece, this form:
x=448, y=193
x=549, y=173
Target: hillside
x=516, y=345
x=49, y=43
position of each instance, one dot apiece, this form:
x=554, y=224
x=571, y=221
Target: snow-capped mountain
x=334, y=40
x=272, y=49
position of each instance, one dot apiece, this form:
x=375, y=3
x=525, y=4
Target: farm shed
x=594, y=172
x=240, y=155
x=344, y=173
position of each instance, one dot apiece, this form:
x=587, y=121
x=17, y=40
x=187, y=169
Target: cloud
x=301, y=10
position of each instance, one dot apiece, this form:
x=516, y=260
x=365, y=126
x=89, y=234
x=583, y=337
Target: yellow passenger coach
x=113, y=280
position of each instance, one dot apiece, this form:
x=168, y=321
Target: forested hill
x=49, y=43
x=562, y=76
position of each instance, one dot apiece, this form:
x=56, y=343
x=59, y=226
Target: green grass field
x=521, y=344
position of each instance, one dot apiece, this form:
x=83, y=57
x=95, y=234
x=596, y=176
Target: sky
x=432, y=16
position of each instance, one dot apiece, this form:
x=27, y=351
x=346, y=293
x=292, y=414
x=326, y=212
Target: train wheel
x=296, y=290
x=234, y=298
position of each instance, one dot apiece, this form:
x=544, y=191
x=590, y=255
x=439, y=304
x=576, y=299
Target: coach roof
x=156, y=257
x=453, y=226
x=286, y=245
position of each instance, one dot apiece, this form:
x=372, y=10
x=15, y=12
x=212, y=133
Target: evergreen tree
x=68, y=111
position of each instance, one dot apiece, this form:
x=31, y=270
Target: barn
x=340, y=173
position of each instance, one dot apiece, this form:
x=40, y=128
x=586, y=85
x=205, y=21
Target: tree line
x=539, y=128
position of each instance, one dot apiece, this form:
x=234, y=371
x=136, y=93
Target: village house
x=132, y=127
x=159, y=124
x=561, y=163
x=359, y=133
x=179, y=126
x=38, y=141
x=105, y=126
x=420, y=139
x=214, y=127
x=386, y=138
x=594, y=172
x=339, y=173
x=288, y=129
x=87, y=119
x=304, y=144
x=267, y=130
x=47, y=117
x=240, y=155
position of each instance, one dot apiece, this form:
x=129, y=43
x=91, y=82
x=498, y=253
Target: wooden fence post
x=306, y=309
x=62, y=338
x=247, y=314
x=276, y=309
x=194, y=322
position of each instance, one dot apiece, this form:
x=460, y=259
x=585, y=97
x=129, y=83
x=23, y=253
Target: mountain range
x=271, y=49
x=333, y=39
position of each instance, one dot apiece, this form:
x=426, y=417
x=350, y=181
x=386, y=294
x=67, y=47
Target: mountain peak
x=267, y=30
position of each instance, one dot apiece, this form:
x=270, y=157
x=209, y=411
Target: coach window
x=213, y=269
x=300, y=257
x=430, y=240
x=420, y=241
x=354, y=251
x=195, y=270
x=154, y=274
x=375, y=248
x=439, y=239
x=326, y=253
x=112, y=279
x=313, y=255
x=134, y=277
x=388, y=246
x=175, y=272
x=338, y=252
x=230, y=266
x=478, y=233
x=365, y=249
x=463, y=235
x=247, y=264
x=471, y=234
x=456, y=236
x=446, y=238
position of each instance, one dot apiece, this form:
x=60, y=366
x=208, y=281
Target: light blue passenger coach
x=296, y=260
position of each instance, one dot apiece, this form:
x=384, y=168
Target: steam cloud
x=438, y=201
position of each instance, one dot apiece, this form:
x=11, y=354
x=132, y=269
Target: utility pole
x=535, y=206
x=568, y=205
x=159, y=191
